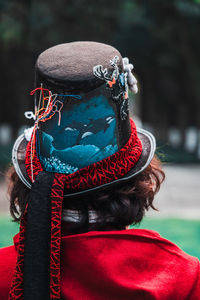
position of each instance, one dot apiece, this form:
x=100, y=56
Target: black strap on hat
x=38, y=238
x=37, y=273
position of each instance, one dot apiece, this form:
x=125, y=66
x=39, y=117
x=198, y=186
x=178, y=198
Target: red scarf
x=97, y=174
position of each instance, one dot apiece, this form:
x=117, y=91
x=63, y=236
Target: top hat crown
x=69, y=66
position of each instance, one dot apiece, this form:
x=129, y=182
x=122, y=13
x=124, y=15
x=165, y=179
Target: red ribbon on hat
x=107, y=170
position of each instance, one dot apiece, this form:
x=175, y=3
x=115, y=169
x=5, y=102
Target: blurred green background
x=161, y=39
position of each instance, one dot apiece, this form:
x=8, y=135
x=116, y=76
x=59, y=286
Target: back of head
x=83, y=159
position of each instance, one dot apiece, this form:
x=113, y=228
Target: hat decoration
x=132, y=81
x=82, y=140
x=50, y=106
x=117, y=83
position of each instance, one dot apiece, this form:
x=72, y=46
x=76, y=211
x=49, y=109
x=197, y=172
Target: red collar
x=137, y=232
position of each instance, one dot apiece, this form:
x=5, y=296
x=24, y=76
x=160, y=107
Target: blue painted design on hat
x=87, y=134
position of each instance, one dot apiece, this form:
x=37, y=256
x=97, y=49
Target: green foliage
x=5, y=156
x=167, y=153
x=7, y=231
x=10, y=30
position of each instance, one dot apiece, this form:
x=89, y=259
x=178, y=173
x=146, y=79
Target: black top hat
x=82, y=140
x=94, y=118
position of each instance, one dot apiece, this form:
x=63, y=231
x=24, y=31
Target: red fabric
x=102, y=172
x=16, y=291
x=8, y=258
x=128, y=264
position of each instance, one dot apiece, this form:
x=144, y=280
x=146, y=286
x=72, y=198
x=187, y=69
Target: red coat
x=118, y=265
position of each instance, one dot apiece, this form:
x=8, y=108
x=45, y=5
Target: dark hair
x=125, y=203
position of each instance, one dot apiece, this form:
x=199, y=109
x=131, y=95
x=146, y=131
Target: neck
x=73, y=223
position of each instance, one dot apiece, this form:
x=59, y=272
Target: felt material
x=69, y=66
x=8, y=259
x=128, y=264
x=131, y=264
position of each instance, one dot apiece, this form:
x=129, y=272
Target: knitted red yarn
x=99, y=173
x=56, y=215
x=102, y=172
x=16, y=290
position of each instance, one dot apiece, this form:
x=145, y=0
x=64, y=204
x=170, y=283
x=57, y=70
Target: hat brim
x=148, y=151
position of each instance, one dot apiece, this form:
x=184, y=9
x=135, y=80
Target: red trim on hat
x=107, y=170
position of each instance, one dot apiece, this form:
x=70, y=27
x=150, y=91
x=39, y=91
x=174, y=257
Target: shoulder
x=148, y=243
x=171, y=264
x=163, y=248
x=8, y=257
x=154, y=260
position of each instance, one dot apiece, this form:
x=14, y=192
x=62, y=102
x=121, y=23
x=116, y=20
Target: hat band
x=102, y=172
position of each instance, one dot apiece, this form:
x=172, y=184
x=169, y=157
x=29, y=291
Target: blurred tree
x=29, y=27
x=15, y=60
x=162, y=36
x=159, y=36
